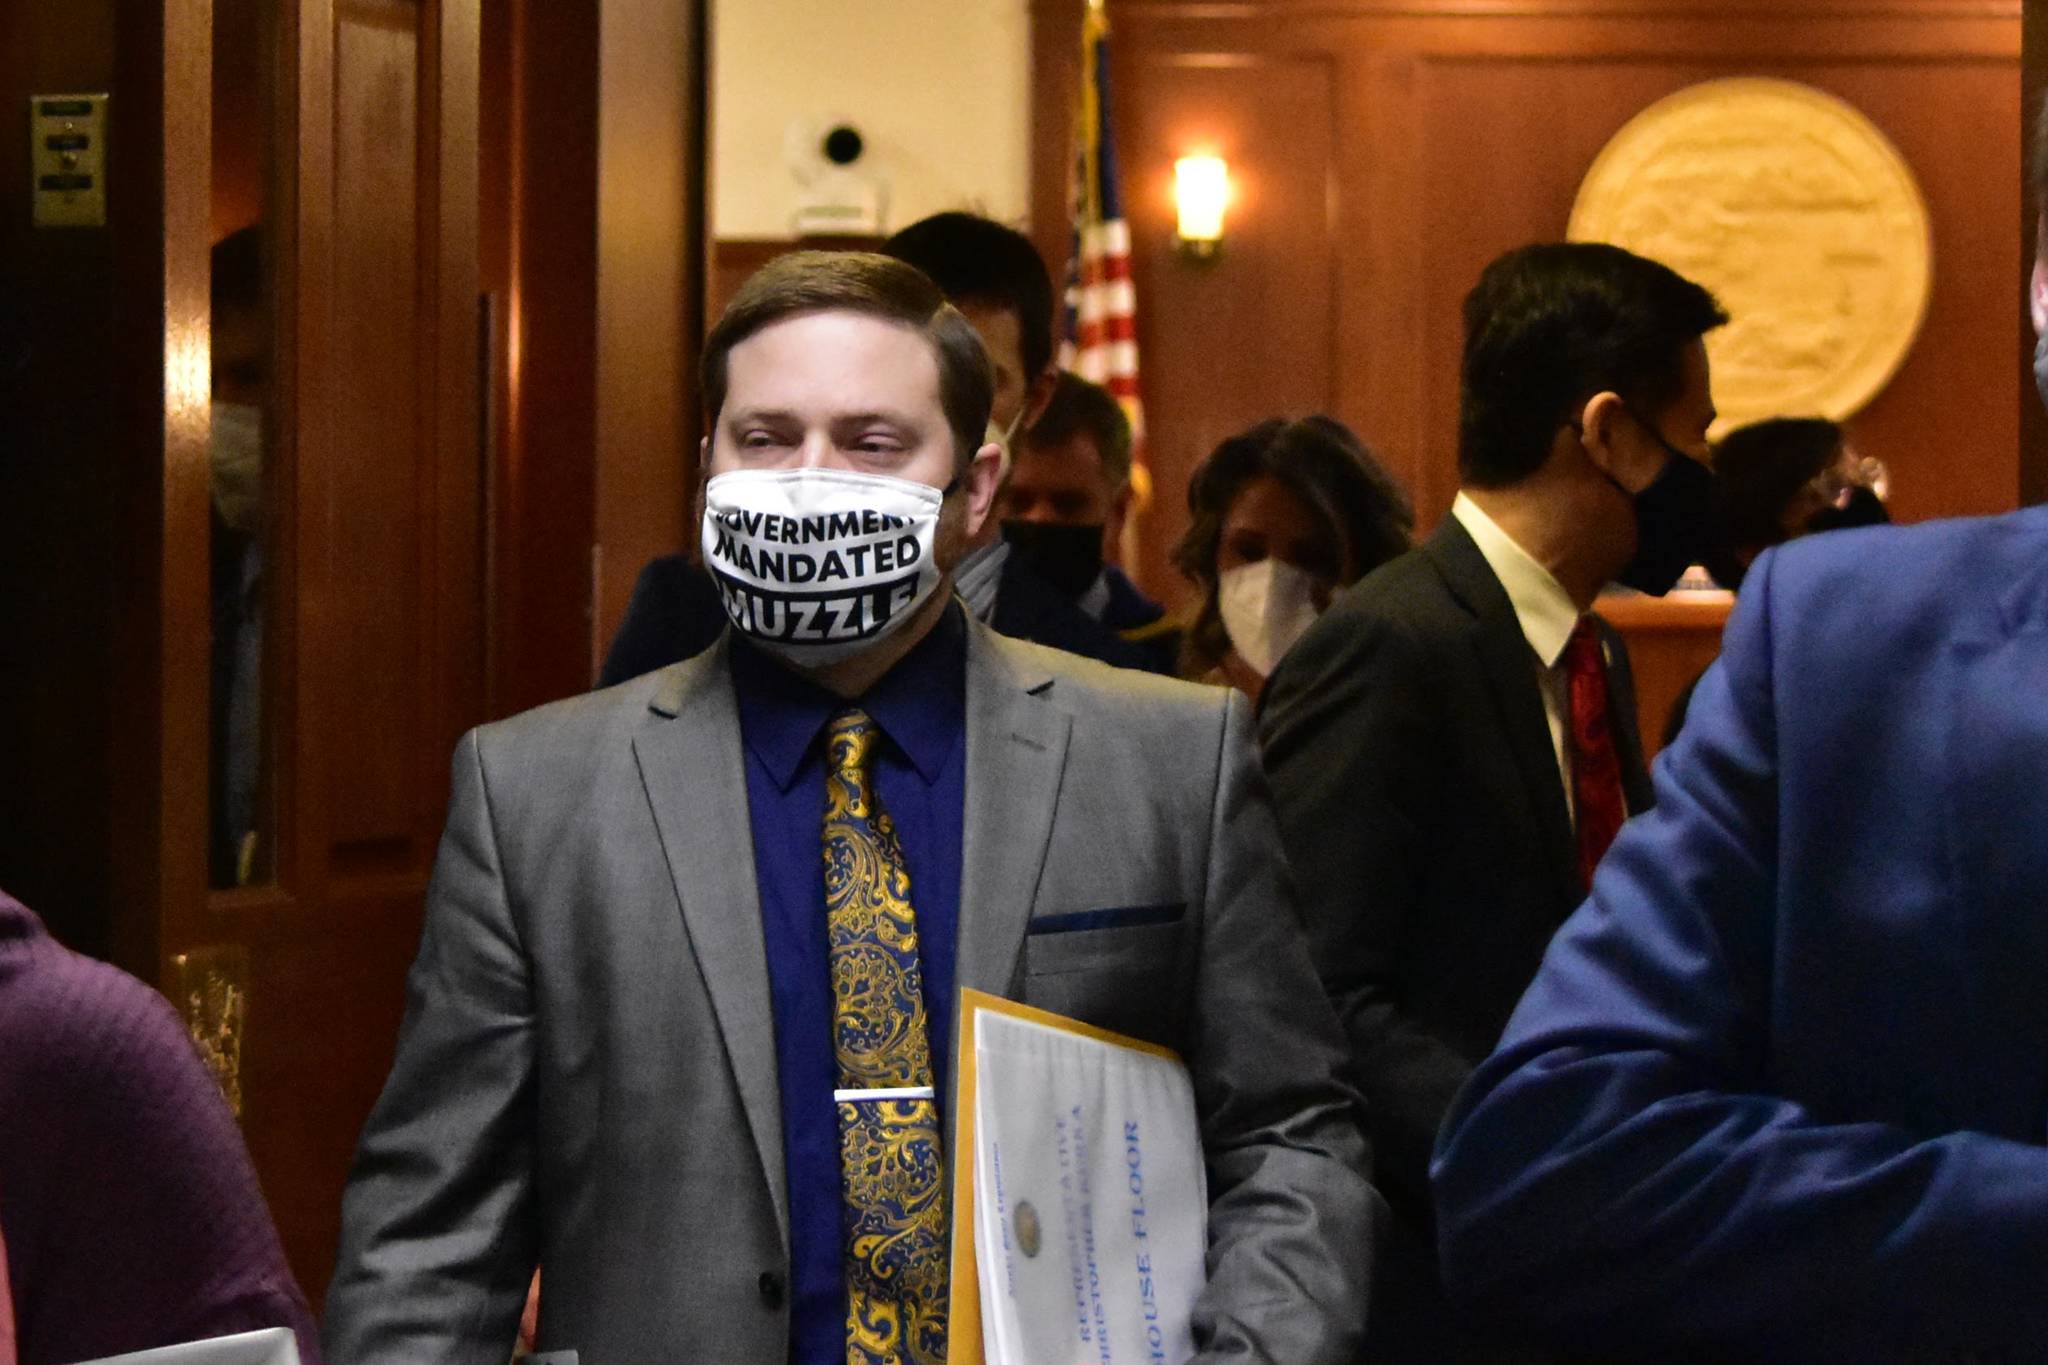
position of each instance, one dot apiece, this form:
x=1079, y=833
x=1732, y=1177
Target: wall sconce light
x=1201, y=189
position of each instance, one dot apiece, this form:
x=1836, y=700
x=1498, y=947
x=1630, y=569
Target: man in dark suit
x=1067, y=500
x=680, y=1029
x=1777, y=1092
x=992, y=273
x=1453, y=744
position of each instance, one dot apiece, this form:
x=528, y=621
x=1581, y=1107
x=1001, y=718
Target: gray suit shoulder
x=560, y=737
x=1087, y=685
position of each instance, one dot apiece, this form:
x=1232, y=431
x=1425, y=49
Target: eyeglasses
x=1834, y=484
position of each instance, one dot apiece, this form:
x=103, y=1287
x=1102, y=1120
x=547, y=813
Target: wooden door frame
x=163, y=227
x=2033, y=419
x=597, y=276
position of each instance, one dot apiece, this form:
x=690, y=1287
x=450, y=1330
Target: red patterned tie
x=1596, y=772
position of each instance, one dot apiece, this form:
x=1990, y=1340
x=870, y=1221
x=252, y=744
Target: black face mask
x=1068, y=556
x=1674, y=521
x=1862, y=507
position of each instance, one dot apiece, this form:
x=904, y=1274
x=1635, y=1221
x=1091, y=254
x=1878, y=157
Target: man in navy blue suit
x=1780, y=1090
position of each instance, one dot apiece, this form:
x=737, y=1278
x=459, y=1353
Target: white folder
x=1080, y=1201
x=271, y=1346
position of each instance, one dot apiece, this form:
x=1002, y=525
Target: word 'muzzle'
x=813, y=617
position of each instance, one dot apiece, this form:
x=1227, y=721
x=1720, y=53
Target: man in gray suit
x=680, y=1025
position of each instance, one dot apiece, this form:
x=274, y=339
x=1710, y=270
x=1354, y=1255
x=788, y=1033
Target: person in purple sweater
x=128, y=1207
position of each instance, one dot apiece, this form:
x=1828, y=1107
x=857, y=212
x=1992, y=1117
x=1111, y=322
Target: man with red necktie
x=1777, y=1091
x=1453, y=745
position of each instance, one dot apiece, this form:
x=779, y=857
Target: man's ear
x=1036, y=397
x=1600, y=422
x=1113, y=524
x=980, y=481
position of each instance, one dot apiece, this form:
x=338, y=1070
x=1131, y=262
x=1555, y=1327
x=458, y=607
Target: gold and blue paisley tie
x=895, y=1217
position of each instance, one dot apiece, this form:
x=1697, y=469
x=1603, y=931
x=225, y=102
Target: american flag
x=1100, y=341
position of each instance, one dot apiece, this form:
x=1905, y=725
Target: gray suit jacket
x=586, y=1077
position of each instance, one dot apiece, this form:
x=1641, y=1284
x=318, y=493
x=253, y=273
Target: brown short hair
x=1078, y=406
x=876, y=286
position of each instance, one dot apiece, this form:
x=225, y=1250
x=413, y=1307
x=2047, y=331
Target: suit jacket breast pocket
x=1114, y=969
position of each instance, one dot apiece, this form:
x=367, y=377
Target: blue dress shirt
x=920, y=779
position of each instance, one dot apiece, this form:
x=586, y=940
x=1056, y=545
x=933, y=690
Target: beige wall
x=939, y=88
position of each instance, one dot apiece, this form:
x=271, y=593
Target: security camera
x=843, y=144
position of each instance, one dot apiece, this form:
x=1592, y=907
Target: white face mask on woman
x=1266, y=606
x=818, y=564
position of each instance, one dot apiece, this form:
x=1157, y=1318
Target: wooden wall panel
x=650, y=294
x=372, y=571
x=1463, y=128
x=595, y=113
x=543, y=181
x=63, y=315
x=1254, y=329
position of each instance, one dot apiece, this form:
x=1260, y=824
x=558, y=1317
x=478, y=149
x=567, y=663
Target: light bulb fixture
x=1201, y=189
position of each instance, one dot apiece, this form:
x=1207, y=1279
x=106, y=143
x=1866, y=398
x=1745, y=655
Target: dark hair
x=237, y=270
x=1861, y=507
x=877, y=286
x=1078, y=406
x=1362, y=510
x=1762, y=466
x=976, y=260
x=1549, y=326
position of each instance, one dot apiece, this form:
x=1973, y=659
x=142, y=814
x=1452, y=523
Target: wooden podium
x=1670, y=642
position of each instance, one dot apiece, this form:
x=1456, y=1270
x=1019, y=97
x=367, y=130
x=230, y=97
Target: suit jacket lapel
x=693, y=772
x=1016, y=751
x=1510, y=671
x=1621, y=720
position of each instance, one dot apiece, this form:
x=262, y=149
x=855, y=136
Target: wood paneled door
x=378, y=601
x=371, y=566
x=294, y=418
x=347, y=143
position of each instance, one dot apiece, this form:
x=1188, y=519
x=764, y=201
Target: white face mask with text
x=817, y=564
x=1266, y=607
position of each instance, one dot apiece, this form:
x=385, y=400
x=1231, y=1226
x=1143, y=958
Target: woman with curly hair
x=1283, y=515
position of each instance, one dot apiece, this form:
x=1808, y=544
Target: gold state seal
x=1801, y=217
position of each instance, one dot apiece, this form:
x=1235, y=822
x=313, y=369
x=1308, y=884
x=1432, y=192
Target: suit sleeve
x=1290, y=1208
x=1347, y=722
x=438, y=1231
x=1618, y=1176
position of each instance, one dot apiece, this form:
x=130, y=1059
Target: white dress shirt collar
x=1541, y=604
